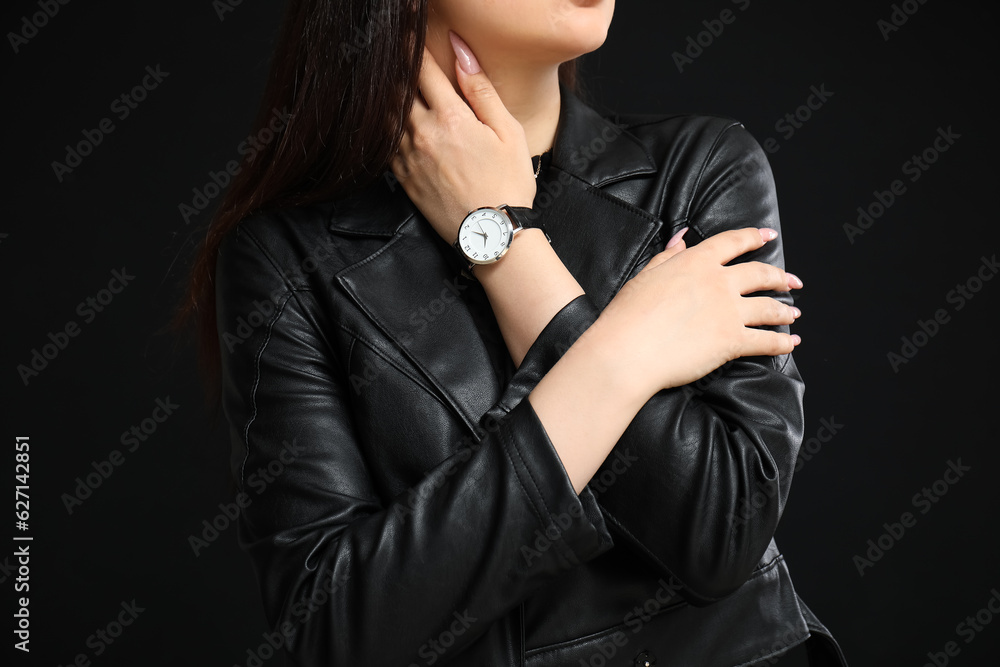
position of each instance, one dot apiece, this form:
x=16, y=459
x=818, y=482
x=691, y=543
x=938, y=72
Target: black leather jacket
x=401, y=507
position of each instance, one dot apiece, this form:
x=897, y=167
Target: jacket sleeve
x=698, y=481
x=347, y=577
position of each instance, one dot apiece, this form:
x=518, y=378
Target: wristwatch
x=486, y=233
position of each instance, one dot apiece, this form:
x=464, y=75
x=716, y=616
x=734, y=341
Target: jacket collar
x=593, y=148
x=600, y=239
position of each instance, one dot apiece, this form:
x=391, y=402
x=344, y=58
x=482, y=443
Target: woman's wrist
x=525, y=246
x=607, y=344
x=526, y=288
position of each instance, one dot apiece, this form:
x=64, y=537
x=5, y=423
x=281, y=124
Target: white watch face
x=485, y=235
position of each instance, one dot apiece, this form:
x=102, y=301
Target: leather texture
x=403, y=508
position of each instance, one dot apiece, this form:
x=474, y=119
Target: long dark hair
x=343, y=77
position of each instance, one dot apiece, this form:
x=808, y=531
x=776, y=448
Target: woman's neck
x=530, y=93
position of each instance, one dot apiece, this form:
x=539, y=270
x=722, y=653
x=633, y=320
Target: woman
x=572, y=451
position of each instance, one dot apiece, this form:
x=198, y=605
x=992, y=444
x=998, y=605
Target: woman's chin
x=582, y=31
x=580, y=45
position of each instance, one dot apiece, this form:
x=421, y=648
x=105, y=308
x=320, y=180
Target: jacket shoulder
x=290, y=242
x=690, y=135
x=701, y=160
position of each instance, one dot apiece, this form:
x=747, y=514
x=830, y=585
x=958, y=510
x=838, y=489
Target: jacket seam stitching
x=376, y=350
x=625, y=128
x=767, y=658
x=704, y=167
x=631, y=208
x=371, y=258
x=664, y=117
x=256, y=383
x=531, y=477
x=270, y=258
x=788, y=358
x=294, y=288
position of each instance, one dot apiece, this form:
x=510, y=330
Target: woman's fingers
x=756, y=342
x=419, y=113
x=728, y=245
x=759, y=276
x=441, y=163
x=660, y=258
x=674, y=245
x=479, y=90
x=440, y=95
x=766, y=311
x=434, y=85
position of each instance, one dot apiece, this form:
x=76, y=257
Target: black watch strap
x=524, y=216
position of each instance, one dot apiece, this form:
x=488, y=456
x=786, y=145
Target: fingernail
x=796, y=339
x=466, y=60
x=794, y=280
x=767, y=234
x=676, y=238
x=796, y=313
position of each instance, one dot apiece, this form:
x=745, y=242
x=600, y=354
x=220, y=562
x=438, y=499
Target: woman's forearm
x=587, y=400
x=589, y=397
x=526, y=289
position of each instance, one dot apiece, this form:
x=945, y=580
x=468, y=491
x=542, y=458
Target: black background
x=898, y=430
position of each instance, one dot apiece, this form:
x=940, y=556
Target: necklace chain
x=538, y=169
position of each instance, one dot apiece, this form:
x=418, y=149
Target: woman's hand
x=684, y=314
x=455, y=157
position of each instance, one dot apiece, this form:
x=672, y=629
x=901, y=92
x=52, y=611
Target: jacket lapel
x=598, y=237
x=409, y=289
x=412, y=293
